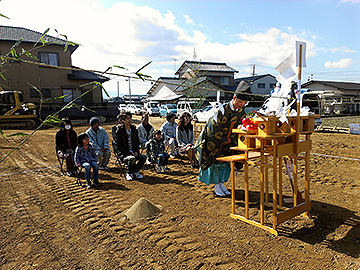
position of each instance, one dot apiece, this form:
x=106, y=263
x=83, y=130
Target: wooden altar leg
x=274, y=185
x=280, y=182
x=246, y=189
x=262, y=169
x=232, y=166
x=295, y=180
x=266, y=180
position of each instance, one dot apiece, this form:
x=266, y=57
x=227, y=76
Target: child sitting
x=85, y=157
x=157, y=151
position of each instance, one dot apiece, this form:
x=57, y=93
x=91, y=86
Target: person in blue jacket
x=85, y=157
x=100, y=141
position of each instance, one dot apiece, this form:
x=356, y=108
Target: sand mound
x=142, y=209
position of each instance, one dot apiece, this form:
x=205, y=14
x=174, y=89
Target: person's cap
x=94, y=120
x=241, y=90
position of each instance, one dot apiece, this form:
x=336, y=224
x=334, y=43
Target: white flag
x=285, y=67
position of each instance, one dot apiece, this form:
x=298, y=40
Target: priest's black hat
x=241, y=91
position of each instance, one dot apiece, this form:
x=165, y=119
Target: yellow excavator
x=14, y=112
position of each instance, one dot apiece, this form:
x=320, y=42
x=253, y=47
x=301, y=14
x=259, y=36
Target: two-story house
x=54, y=81
x=259, y=84
x=194, y=76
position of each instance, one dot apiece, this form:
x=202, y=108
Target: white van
x=187, y=106
x=152, y=108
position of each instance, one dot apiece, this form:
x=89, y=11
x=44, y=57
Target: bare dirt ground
x=49, y=222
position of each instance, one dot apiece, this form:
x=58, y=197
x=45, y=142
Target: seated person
x=169, y=130
x=145, y=130
x=65, y=144
x=100, y=141
x=157, y=151
x=126, y=141
x=185, y=137
x=85, y=157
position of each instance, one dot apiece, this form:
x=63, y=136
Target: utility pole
x=118, y=89
x=253, y=70
x=174, y=59
x=253, y=73
x=129, y=91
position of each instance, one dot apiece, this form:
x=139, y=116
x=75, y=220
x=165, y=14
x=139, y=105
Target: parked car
x=122, y=108
x=204, y=114
x=187, y=106
x=135, y=109
x=167, y=108
x=152, y=108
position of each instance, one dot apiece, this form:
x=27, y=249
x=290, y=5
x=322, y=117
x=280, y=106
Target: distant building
x=138, y=99
x=52, y=82
x=208, y=75
x=259, y=84
x=335, y=97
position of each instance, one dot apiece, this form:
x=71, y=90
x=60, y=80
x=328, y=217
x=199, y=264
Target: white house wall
x=263, y=91
x=321, y=87
x=163, y=91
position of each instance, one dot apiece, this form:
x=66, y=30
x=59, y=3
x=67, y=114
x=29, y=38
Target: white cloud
x=130, y=36
x=343, y=63
x=342, y=49
x=188, y=19
x=350, y=1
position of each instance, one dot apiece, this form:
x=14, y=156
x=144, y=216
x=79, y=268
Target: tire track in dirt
x=170, y=243
x=193, y=231
x=180, y=245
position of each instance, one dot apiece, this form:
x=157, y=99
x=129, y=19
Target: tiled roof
x=174, y=84
x=86, y=75
x=207, y=66
x=338, y=85
x=11, y=33
x=179, y=85
x=251, y=78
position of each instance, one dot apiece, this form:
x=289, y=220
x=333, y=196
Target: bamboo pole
x=297, y=134
x=307, y=176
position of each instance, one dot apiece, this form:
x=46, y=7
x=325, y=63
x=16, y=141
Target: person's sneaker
x=138, y=175
x=172, y=155
x=96, y=182
x=101, y=168
x=69, y=174
x=218, y=191
x=129, y=177
x=88, y=184
x=106, y=168
x=163, y=168
x=157, y=168
x=224, y=189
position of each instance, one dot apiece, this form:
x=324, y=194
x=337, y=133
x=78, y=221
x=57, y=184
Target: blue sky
x=239, y=33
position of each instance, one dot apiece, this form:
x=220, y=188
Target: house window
x=35, y=94
x=225, y=80
x=49, y=58
x=261, y=85
x=71, y=94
